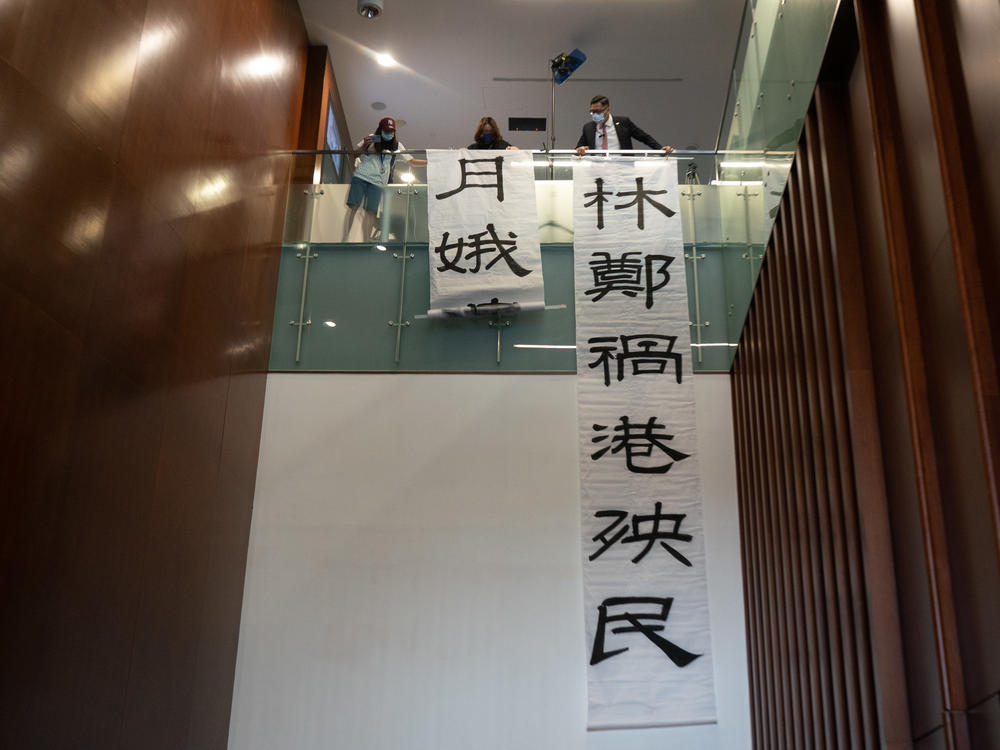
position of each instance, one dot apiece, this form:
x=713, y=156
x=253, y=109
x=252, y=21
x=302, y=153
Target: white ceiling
x=450, y=52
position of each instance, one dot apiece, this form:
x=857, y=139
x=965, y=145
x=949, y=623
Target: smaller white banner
x=482, y=223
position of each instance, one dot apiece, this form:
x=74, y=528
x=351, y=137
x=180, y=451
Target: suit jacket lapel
x=623, y=137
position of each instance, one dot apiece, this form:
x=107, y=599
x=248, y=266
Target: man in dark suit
x=598, y=134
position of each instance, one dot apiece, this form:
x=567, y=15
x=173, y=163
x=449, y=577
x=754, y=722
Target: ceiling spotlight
x=370, y=8
x=385, y=59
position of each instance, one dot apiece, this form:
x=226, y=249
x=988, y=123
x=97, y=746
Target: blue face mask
x=488, y=137
x=388, y=136
x=597, y=117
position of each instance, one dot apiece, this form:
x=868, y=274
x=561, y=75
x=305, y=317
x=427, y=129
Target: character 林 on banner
x=488, y=137
x=597, y=134
x=641, y=198
x=372, y=172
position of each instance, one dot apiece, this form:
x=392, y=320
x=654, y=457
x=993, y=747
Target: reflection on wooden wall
x=140, y=217
x=865, y=394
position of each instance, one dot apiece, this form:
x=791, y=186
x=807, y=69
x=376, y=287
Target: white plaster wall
x=414, y=577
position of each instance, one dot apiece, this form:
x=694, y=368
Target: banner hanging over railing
x=645, y=593
x=482, y=223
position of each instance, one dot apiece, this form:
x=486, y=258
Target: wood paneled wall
x=865, y=393
x=140, y=218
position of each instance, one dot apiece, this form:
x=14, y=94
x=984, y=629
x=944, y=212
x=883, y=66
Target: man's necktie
x=604, y=138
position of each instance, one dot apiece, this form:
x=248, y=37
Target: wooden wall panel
x=866, y=366
x=958, y=42
x=140, y=220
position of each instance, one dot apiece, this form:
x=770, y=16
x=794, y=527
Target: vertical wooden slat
x=755, y=572
x=781, y=708
x=791, y=613
x=838, y=401
x=880, y=579
x=747, y=541
x=770, y=687
x=960, y=169
x=885, y=119
x=804, y=233
x=779, y=704
x=804, y=601
x=794, y=394
x=813, y=428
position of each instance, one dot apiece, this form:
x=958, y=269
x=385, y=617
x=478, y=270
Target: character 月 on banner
x=497, y=174
x=638, y=441
x=626, y=275
x=476, y=248
x=642, y=196
x=639, y=350
x=611, y=534
x=629, y=609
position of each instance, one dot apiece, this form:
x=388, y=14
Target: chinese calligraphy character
x=641, y=198
x=606, y=542
x=625, y=275
x=629, y=609
x=609, y=535
x=475, y=249
x=662, y=270
x=466, y=174
x=655, y=534
x=644, y=357
x=600, y=200
x=444, y=247
x=638, y=441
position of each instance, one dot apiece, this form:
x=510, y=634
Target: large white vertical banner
x=482, y=221
x=645, y=594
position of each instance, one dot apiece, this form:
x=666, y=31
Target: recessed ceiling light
x=385, y=59
x=378, y=106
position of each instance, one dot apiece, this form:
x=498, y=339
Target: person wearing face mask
x=610, y=133
x=372, y=172
x=488, y=136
